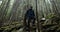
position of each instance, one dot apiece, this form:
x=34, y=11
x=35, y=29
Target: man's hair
x=31, y=7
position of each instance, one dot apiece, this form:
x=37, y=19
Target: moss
x=51, y=15
x=12, y=25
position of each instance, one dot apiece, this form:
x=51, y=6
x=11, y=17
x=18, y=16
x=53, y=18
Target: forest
x=12, y=14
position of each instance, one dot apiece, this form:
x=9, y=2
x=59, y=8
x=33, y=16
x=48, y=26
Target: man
x=29, y=16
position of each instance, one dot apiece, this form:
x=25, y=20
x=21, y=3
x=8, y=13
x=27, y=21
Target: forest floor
x=46, y=26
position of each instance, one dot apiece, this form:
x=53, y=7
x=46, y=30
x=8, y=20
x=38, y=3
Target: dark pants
x=27, y=23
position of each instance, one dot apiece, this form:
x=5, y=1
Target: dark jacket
x=30, y=14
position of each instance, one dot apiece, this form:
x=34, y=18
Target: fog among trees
x=12, y=14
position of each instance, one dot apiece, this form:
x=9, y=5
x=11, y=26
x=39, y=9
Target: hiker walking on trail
x=30, y=16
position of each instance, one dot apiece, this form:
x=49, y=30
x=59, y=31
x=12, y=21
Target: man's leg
x=25, y=25
x=33, y=24
x=29, y=20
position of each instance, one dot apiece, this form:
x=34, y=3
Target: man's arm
x=26, y=14
x=33, y=14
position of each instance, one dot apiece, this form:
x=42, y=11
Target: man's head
x=30, y=7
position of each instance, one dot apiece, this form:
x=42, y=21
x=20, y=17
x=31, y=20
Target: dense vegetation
x=12, y=14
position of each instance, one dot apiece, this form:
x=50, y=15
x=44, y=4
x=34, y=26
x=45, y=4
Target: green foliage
x=10, y=26
x=51, y=15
